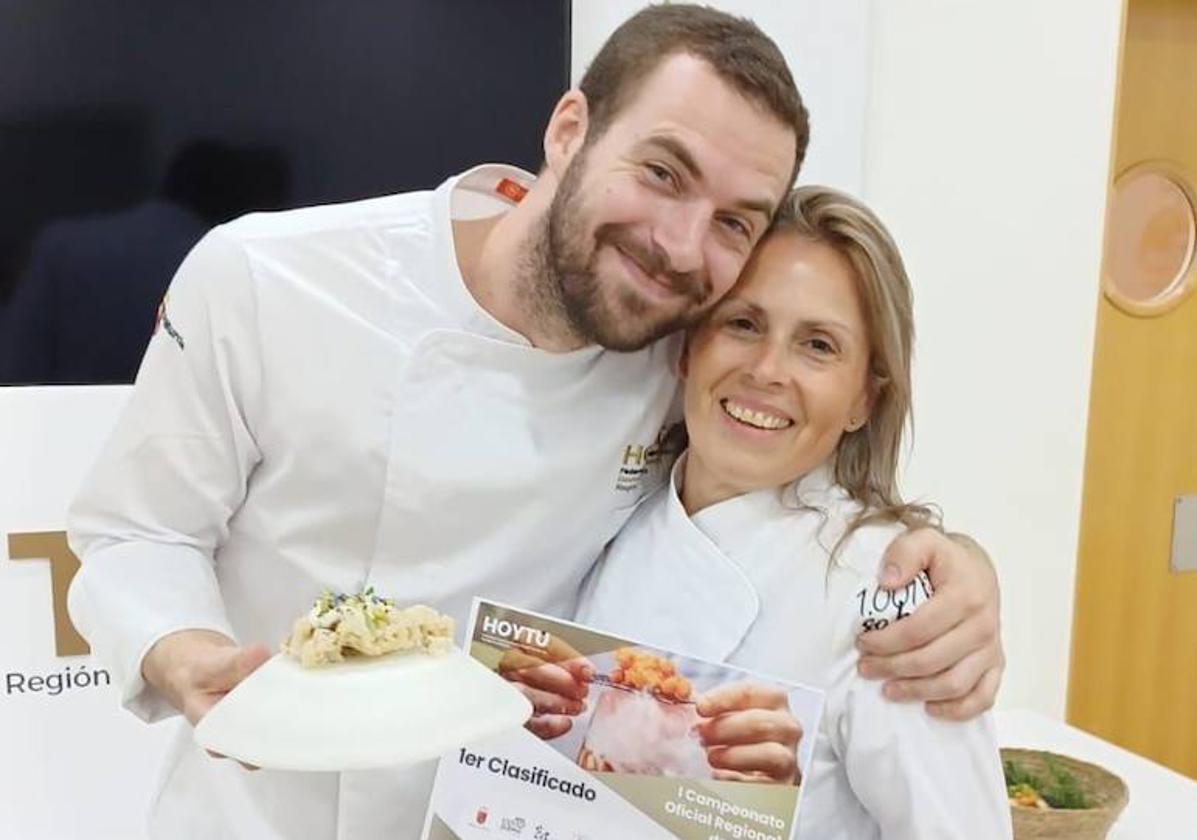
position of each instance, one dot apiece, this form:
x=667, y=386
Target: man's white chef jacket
x=323, y=406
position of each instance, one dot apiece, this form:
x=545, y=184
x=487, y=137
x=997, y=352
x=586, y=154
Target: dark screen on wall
x=127, y=129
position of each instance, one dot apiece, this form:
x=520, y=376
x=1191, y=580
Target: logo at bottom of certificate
x=513, y=825
x=481, y=816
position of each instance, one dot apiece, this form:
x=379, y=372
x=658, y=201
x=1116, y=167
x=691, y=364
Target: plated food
x=340, y=626
x=361, y=683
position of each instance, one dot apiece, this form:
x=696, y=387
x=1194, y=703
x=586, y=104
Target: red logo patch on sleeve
x=511, y=190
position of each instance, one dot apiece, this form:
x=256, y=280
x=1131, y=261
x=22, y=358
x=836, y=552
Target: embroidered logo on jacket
x=640, y=461
x=164, y=323
x=880, y=607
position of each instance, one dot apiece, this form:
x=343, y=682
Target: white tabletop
x=1163, y=803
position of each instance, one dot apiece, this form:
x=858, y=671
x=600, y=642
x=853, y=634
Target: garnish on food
x=341, y=626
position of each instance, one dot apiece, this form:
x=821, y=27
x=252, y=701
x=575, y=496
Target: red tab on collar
x=513, y=191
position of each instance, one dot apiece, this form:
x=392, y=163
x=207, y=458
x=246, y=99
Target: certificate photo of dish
x=361, y=683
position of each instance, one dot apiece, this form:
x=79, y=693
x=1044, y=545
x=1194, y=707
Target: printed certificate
x=625, y=751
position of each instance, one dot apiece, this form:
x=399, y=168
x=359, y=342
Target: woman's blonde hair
x=866, y=460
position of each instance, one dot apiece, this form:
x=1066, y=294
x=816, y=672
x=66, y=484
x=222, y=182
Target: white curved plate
x=359, y=714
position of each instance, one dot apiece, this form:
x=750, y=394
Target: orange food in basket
x=640, y=670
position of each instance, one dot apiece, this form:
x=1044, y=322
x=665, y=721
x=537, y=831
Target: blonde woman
x=763, y=550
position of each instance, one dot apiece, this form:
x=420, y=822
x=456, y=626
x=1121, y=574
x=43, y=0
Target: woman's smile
x=745, y=413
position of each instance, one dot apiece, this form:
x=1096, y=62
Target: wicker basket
x=1106, y=791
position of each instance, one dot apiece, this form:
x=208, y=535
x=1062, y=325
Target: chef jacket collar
x=727, y=522
x=478, y=193
x=712, y=585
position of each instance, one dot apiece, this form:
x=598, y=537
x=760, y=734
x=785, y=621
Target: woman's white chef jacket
x=324, y=405
x=748, y=581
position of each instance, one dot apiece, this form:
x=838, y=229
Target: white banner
x=75, y=765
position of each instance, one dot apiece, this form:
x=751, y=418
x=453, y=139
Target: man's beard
x=567, y=288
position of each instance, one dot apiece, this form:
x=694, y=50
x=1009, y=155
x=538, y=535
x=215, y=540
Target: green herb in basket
x=1016, y=776
x=1061, y=790
x=1064, y=791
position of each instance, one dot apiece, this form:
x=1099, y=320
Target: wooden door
x=1133, y=678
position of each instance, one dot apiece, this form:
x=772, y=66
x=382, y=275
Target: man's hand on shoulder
x=948, y=653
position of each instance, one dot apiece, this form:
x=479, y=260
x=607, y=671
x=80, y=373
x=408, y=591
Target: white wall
x=988, y=141
x=825, y=42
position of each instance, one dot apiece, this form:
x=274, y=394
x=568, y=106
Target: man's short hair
x=739, y=52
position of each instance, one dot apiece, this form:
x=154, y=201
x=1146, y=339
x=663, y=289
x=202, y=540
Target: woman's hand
x=949, y=652
x=749, y=733
x=556, y=682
